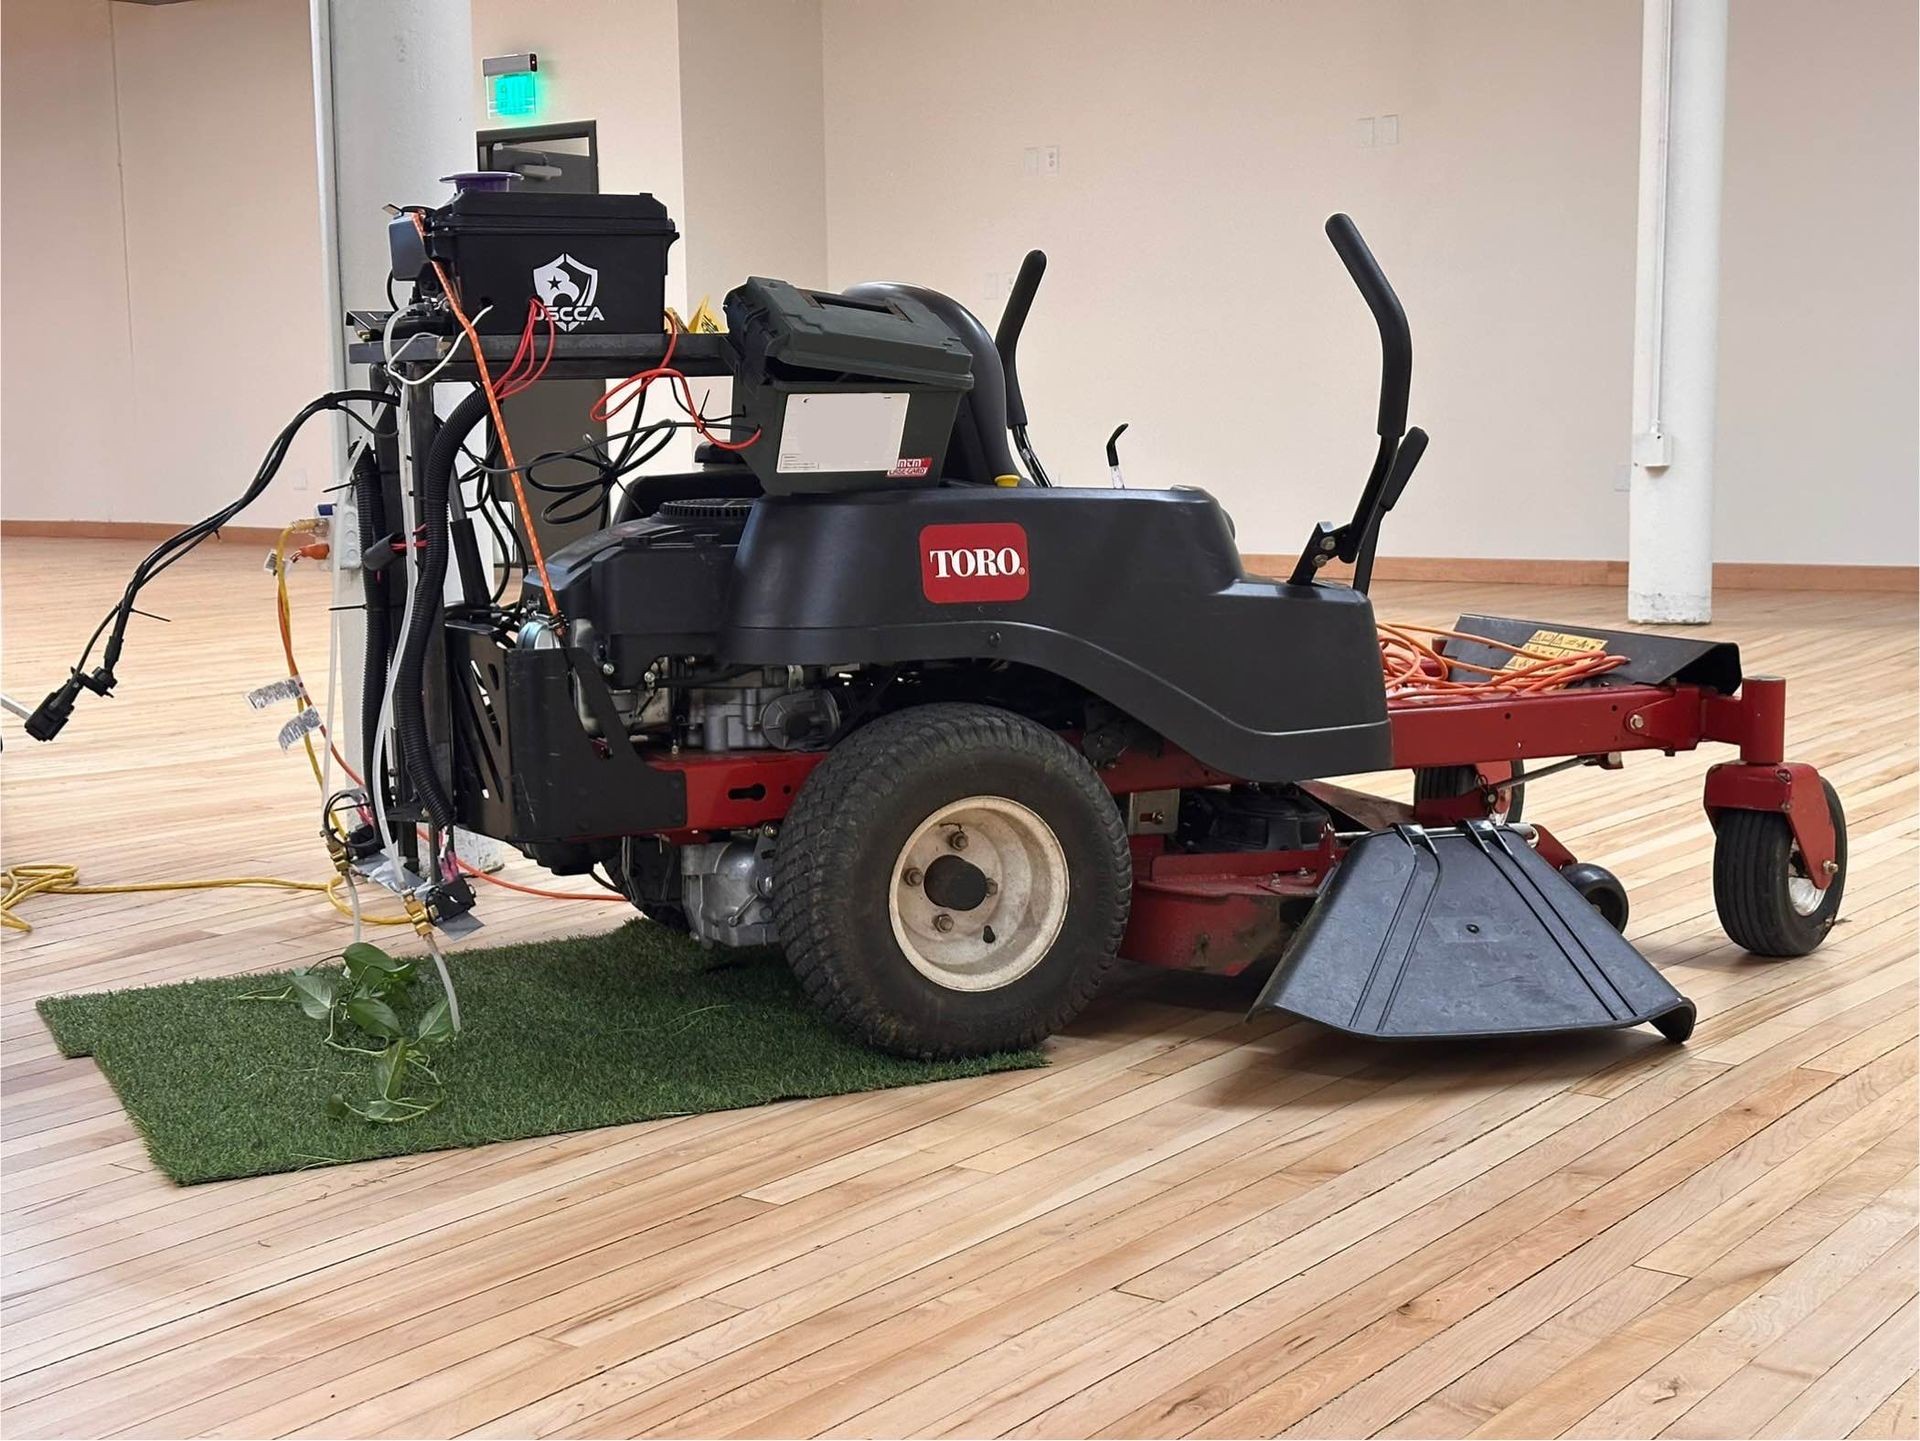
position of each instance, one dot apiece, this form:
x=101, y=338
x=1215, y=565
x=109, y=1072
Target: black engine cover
x=1137, y=596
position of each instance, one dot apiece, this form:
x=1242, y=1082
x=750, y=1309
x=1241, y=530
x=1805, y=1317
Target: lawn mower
x=863, y=685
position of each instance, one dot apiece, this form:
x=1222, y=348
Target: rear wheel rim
x=949, y=932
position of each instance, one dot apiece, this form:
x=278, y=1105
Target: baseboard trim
x=125, y=530
x=1727, y=574
x=1476, y=570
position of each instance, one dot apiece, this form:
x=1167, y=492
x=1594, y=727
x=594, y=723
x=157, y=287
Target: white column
x=1676, y=347
x=393, y=83
x=393, y=112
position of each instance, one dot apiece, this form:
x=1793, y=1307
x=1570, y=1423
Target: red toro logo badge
x=968, y=563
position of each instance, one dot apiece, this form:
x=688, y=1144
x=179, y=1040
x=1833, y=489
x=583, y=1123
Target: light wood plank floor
x=1188, y=1225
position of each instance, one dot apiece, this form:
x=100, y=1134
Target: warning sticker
x=1555, y=643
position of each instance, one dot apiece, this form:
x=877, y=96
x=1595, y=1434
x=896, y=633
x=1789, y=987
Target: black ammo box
x=847, y=394
x=599, y=262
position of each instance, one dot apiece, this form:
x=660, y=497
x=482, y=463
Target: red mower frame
x=1221, y=912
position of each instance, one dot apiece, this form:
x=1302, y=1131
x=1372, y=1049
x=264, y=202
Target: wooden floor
x=1188, y=1225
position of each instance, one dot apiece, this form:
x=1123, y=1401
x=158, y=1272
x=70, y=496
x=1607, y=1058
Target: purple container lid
x=462, y=180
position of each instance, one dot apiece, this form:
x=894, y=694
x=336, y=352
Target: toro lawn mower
x=864, y=686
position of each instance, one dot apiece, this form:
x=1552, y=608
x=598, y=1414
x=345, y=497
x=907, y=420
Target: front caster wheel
x=1767, y=901
x=952, y=880
x=1602, y=890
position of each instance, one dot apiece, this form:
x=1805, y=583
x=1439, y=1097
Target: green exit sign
x=513, y=84
x=514, y=97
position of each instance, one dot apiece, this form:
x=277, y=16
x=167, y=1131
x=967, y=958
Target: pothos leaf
x=374, y=1016
x=390, y=1071
x=377, y=986
x=436, y=1025
x=364, y=955
x=314, y=994
x=366, y=961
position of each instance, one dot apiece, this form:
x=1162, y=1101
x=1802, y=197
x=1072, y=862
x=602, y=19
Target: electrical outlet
x=343, y=533
x=1049, y=159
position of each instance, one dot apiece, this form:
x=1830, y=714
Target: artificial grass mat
x=559, y=1036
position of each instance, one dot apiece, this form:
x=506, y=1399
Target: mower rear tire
x=1768, y=904
x=952, y=880
x=1442, y=783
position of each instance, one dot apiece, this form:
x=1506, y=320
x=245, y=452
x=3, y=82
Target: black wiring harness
x=52, y=714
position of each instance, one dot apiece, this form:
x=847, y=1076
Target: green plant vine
x=363, y=1002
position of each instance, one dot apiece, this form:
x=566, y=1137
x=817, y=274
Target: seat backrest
x=978, y=453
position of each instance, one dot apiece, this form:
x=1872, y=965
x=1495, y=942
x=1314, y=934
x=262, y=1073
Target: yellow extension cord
x=21, y=882
x=35, y=880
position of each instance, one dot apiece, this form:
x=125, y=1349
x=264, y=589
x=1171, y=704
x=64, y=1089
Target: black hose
x=53, y=713
x=370, y=505
x=409, y=711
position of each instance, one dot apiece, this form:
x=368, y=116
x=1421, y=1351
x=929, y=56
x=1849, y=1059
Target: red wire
x=517, y=380
x=634, y=387
x=521, y=350
x=470, y=869
x=605, y=408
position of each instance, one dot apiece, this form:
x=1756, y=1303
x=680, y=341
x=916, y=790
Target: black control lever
x=1398, y=474
x=1006, y=340
x=1113, y=456
x=1399, y=450
x=1396, y=341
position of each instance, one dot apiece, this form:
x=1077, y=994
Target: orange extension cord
x=1416, y=670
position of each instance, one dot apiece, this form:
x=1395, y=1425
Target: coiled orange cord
x=1416, y=669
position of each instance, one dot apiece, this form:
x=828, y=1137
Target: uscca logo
x=567, y=288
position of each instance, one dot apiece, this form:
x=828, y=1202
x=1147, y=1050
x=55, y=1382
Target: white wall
x=185, y=197
x=1819, y=287
x=230, y=324
x=756, y=181
x=1192, y=293
x=65, y=358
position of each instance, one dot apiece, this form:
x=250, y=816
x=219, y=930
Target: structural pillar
x=393, y=112
x=1683, y=90
x=393, y=86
